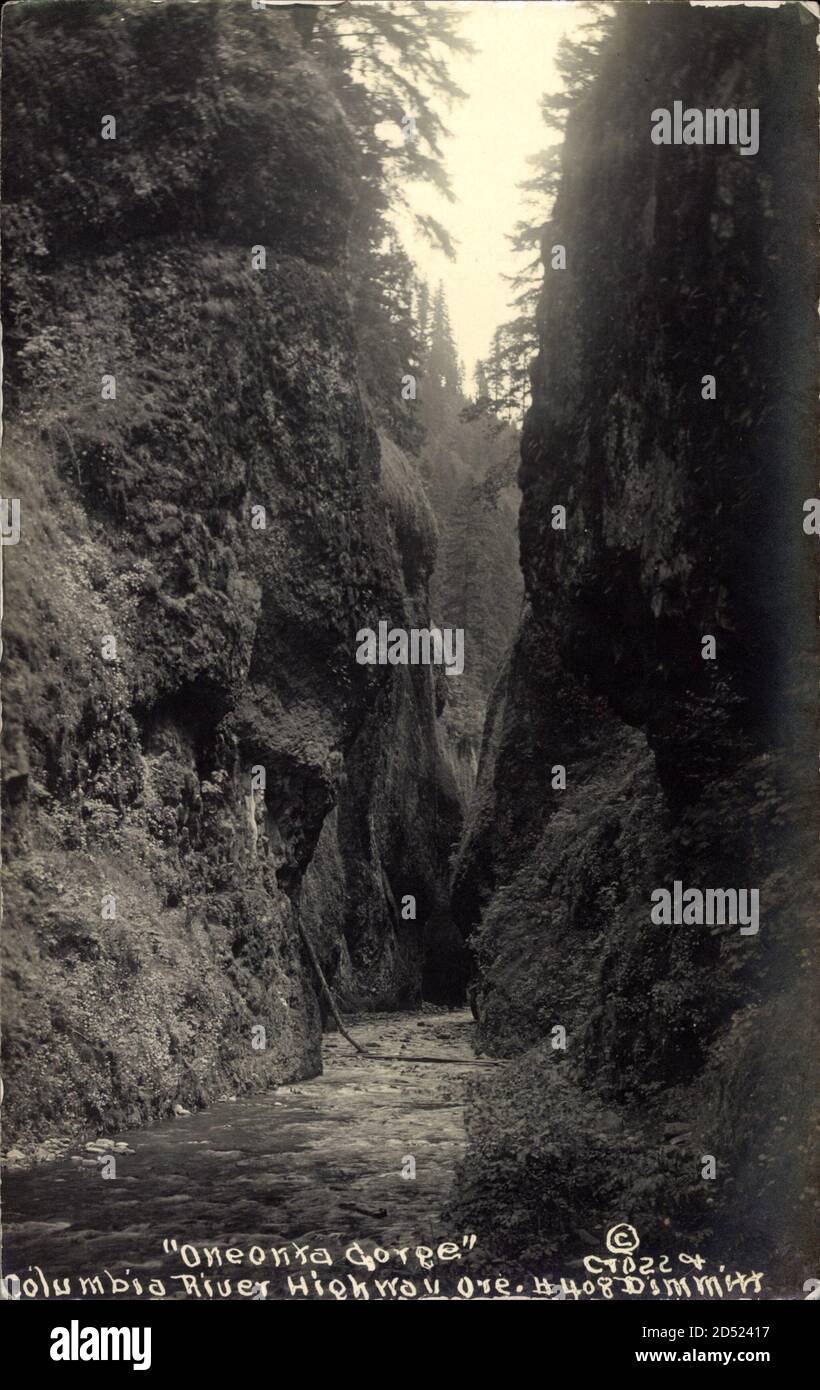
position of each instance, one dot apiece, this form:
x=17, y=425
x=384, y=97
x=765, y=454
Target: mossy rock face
x=223, y=129
x=129, y=778
x=682, y=520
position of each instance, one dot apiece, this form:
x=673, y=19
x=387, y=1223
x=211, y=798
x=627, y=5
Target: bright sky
x=493, y=131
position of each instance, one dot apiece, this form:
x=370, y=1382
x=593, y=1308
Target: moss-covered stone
x=683, y=518
x=235, y=388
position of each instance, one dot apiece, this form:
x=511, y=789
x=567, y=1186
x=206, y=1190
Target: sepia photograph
x=410, y=722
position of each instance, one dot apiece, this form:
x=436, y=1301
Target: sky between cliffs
x=493, y=131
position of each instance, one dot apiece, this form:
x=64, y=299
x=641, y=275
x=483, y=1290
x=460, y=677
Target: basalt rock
x=153, y=886
x=683, y=520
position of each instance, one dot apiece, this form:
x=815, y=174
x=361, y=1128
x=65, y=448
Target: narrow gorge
x=219, y=828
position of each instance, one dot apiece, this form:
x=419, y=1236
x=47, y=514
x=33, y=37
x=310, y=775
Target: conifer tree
x=515, y=342
x=387, y=65
x=443, y=365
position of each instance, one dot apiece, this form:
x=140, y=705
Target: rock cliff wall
x=153, y=893
x=684, y=519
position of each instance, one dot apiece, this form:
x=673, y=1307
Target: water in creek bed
x=317, y=1163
